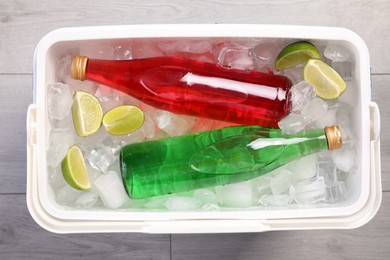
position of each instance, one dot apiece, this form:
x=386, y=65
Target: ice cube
x=67, y=122
x=260, y=186
x=301, y=94
x=142, y=50
x=294, y=74
x=93, y=175
x=156, y=202
x=236, y=58
x=108, y=98
x=344, y=68
x=134, y=137
x=314, y=110
x=309, y=191
x=328, y=119
x=148, y=128
x=343, y=115
x=341, y=175
x=238, y=195
x=205, y=57
x=115, y=166
x=97, y=50
x=281, y=181
x=238, y=43
x=344, y=158
x=181, y=203
x=55, y=178
x=63, y=63
x=337, y=53
x=113, y=144
x=210, y=207
x=327, y=170
x=63, y=67
x=346, y=135
x=206, y=196
x=336, y=191
x=90, y=141
x=197, y=46
x=87, y=86
x=122, y=52
x=67, y=195
x=304, y=168
x=174, y=125
x=265, y=54
x=102, y=92
x=86, y=200
x=324, y=155
x=170, y=47
x=59, y=99
x=73, y=83
x=111, y=190
x=60, y=141
x=101, y=157
x=160, y=135
x=147, y=109
x=129, y=100
x=292, y=123
x=281, y=200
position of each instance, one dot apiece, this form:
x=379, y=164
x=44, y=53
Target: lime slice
x=87, y=113
x=74, y=169
x=123, y=120
x=296, y=53
x=327, y=83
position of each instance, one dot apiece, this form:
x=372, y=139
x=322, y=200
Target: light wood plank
x=24, y=23
x=15, y=96
x=381, y=95
x=22, y=238
x=368, y=242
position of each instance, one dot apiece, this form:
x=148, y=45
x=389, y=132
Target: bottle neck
x=83, y=68
x=112, y=73
x=330, y=137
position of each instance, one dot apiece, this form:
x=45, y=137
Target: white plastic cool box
x=364, y=187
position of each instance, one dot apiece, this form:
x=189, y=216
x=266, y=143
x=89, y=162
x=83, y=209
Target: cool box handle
x=31, y=125
x=375, y=122
x=207, y=226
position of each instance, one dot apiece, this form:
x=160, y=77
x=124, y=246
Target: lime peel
x=295, y=54
x=75, y=170
x=327, y=83
x=123, y=119
x=87, y=113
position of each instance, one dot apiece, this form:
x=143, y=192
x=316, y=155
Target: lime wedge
x=87, y=113
x=327, y=83
x=123, y=120
x=74, y=169
x=296, y=53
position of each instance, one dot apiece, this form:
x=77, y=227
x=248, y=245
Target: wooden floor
x=23, y=23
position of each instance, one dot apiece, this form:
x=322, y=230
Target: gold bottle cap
x=333, y=135
x=78, y=66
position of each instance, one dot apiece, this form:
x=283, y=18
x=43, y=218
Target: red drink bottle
x=192, y=87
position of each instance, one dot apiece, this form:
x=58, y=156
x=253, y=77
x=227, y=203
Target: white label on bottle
x=264, y=142
x=237, y=86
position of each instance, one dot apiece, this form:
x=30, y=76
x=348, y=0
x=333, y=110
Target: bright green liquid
x=211, y=158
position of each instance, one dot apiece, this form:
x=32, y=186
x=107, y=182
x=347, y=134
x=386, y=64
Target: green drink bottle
x=217, y=157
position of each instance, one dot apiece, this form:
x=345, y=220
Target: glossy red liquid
x=191, y=87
